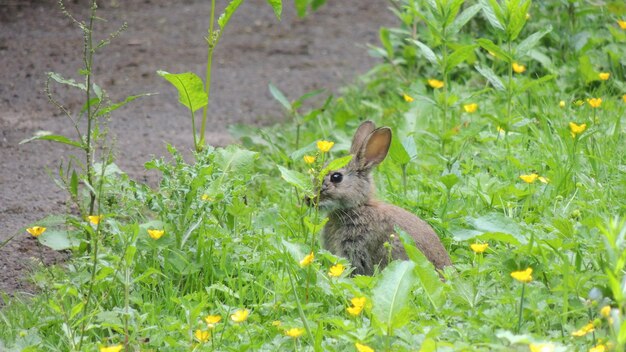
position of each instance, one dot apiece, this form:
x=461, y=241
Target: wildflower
x=358, y=303
x=624, y=98
x=622, y=24
x=584, y=330
x=336, y=270
x=155, y=234
x=116, y=348
x=309, y=159
x=470, y=108
x=211, y=320
x=479, y=247
x=307, y=260
x=595, y=102
x=407, y=98
x=240, y=315
x=205, y=197
x=562, y=104
x=576, y=129
x=541, y=347
x=36, y=230
x=598, y=348
x=325, y=146
x=435, y=83
x=294, y=332
x=202, y=335
x=605, y=311
x=95, y=219
x=363, y=348
x=518, y=68
x=524, y=276
x=529, y=178
x=604, y=76
x=544, y=179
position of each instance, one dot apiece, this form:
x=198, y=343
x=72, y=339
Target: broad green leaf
x=190, y=89
x=235, y=159
x=58, y=240
x=586, y=69
x=531, y=41
x=492, y=226
x=70, y=82
x=390, y=296
x=459, y=55
x=277, y=6
x=517, y=17
x=449, y=180
x=452, y=9
x=463, y=18
x=48, y=136
x=429, y=54
x=335, y=165
x=222, y=21
x=280, y=97
x=491, y=77
x=296, y=179
x=491, y=10
x=113, y=107
x=398, y=153
x=494, y=49
x=535, y=83
x=385, y=40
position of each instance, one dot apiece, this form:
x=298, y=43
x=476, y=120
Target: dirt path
x=325, y=50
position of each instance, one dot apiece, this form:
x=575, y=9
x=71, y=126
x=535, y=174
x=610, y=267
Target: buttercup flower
x=116, y=348
x=541, y=347
x=598, y=348
x=518, y=68
x=325, y=146
x=294, y=332
x=309, y=159
x=576, y=129
x=605, y=311
x=562, y=103
x=595, y=102
x=407, y=98
x=36, y=230
x=529, y=178
x=470, y=108
x=95, y=219
x=211, y=320
x=524, y=276
x=308, y=259
x=479, y=247
x=604, y=75
x=202, y=335
x=205, y=197
x=363, y=348
x=155, y=234
x=584, y=330
x=622, y=24
x=435, y=83
x=336, y=270
x=358, y=303
x=240, y=315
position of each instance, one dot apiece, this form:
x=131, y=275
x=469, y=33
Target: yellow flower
x=562, y=103
x=544, y=179
x=95, y=219
x=524, y=276
x=294, y=332
x=529, y=178
x=205, y=197
x=325, y=146
x=407, y=98
x=308, y=259
x=605, y=311
x=202, y=335
x=622, y=24
x=541, y=347
x=576, y=129
x=116, y=348
x=155, y=234
x=604, y=75
x=518, y=68
x=595, y=102
x=211, y=320
x=435, y=83
x=354, y=310
x=584, y=330
x=36, y=230
x=479, y=248
x=336, y=270
x=598, y=348
x=470, y=108
x=624, y=98
x=240, y=315
x=358, y=303
x=309, y=159
x=363, y=348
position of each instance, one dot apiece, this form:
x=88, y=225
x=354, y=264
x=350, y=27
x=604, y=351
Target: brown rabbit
x=359, y=225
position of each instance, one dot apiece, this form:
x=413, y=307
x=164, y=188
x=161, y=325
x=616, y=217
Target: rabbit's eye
x=336, y=177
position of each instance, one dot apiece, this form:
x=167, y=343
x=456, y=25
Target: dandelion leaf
x=391, y=294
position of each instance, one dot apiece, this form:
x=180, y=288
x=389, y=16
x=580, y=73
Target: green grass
x=235, y=230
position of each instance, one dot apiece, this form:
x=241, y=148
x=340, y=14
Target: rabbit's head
x=352, y=185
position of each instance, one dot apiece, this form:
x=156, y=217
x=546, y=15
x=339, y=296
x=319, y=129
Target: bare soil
x=325, y=50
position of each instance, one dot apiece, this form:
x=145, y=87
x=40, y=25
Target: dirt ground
x=325, y=50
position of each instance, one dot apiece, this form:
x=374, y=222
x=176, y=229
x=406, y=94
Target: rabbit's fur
x=359, y=225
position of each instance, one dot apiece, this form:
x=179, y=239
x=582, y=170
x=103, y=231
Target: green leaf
x=296, y=179
x=190, y=89
x=48, y=136
x=463, y=18
x=113, y=107
x=459, y=55
x=280, y=97
x=531, y=41
x=492, y=47
x=491, y=77
x=398, y=153
x=58, y=240
x=586, y=69
x=429, y=54
x=535, y=83
x=449, y=180
x=277, y=6
x=74, y=183
x=492, y=226
x=228, y=12
x=491, y=10
x=301, y=6
x=335, y=165
x=70, y=82
x=390, y=296
x=517, y=17
x=385, y=40
x=235, y=159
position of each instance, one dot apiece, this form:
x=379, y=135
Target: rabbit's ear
x=375, y=148
x=360, y=135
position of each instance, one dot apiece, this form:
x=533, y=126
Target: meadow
x=509, y=138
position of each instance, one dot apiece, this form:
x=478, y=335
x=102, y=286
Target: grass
x=236, y=228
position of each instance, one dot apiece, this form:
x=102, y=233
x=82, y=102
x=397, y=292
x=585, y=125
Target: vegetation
x=509, y=135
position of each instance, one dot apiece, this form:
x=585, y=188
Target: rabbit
x=358, y=224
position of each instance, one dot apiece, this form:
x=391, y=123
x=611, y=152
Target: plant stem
x=88, y=60
x=521, y=307
x=212, y=42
